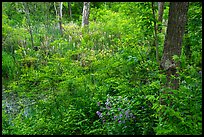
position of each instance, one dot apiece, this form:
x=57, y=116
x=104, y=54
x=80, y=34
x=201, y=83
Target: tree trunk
x=160, y=17
x=28, y=22
x=70, y=10
x=85, y=16
x=56, y=12
x=47, y=7
x=60, y=17
x=173, y=40
x=155, y=34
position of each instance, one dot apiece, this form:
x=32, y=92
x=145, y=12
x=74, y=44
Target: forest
x=101, y=68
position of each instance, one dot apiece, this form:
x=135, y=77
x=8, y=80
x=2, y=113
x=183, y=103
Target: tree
x=27, y=12
x=59, y=15
x=173, y=40
x=160, y=15
x=69, y=9
x=85, y=16
x=155, y=33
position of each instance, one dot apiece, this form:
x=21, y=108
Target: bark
x=60, y=17
x=155, y=34
x=56, y=12
x=173, y=40
x=70, y=10
x=28, y=22
x=47, y=7
x=160, y=17
x=85, y=16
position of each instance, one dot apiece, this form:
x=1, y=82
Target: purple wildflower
x=120, y=115
x=107, y=103
x=99, y=113
x=115, y=117
x=108, y=107
x=126, y=112
x=99, y=103
x=119, y=121
x=119, y=109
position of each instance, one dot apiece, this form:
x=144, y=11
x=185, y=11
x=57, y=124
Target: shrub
x=8, y=65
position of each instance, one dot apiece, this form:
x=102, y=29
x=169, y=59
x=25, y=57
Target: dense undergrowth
x=100, y=80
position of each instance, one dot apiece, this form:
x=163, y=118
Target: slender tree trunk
x=60, y=17
x=155, y=34
x=160, y=17
x=69, y=9
x=85, y=16
x=47, y=7
x=28, y=22
x=173, y=40
x=56, y=12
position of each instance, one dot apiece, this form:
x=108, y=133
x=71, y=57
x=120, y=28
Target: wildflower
x=119, y=121
x=108, y=107
x=99, y=103
x=120, y=115
x=126, y=112
x=200, y=72
x=99, y=113
x=142, y=107
x=107, y=103
x=115, y=117
x=119, y=109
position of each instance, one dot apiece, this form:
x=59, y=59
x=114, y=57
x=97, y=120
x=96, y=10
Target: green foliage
x=8, y=65
x=103, y=79
x=117, y=115
x=193, y=37
x=178, y=116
